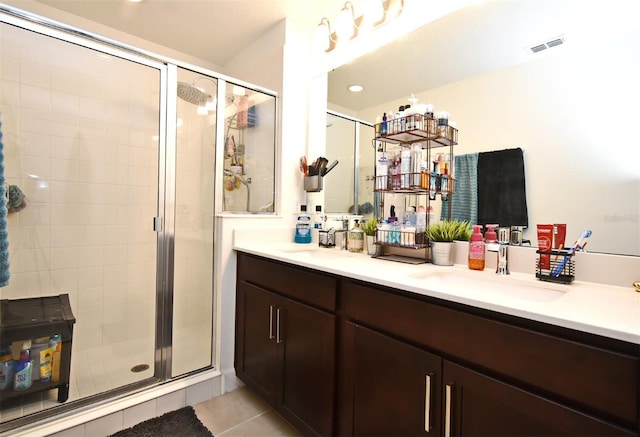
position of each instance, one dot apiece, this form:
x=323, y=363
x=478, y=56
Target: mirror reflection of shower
x=232, y=182
x=238, y=117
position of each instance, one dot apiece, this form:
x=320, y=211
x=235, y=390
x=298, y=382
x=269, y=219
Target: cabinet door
x=306, y=345
x=396, y=387
x=256, y=352
x=475, y=404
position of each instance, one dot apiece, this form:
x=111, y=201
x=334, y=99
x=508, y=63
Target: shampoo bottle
x=476, y=249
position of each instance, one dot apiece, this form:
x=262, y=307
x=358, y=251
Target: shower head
x=190, y=93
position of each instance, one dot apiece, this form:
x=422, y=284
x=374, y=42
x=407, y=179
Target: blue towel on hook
x=465, y=199
x=4, y=235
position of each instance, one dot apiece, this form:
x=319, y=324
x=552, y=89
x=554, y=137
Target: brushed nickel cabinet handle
x=271, y=336
x=427, y=403
x=278, y=338
x=447, y=410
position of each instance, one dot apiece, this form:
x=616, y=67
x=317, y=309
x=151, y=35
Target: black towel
x=501, y=188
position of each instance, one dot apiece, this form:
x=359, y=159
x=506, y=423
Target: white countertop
x=606, y=310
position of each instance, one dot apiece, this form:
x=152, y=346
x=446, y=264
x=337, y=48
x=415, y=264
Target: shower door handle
x=157, y=224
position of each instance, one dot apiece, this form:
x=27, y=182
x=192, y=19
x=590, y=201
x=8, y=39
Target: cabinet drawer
x=305, y=285
x=591, y=378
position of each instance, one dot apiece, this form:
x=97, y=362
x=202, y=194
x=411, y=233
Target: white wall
x=282, y=68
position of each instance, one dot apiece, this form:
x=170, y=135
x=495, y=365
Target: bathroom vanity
x=344, y=344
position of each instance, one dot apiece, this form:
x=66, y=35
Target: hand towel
x=501, y=188
x=465, y=199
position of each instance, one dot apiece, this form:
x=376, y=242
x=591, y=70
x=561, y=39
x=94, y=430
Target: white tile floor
x=241, y=413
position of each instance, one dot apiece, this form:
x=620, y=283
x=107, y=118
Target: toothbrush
x=578, y=245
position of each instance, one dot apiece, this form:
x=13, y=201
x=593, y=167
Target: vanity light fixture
x=348, y=26
x=375, y=13
x=346, y=23
x=322, y=38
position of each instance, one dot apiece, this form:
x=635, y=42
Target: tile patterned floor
x=241, y=413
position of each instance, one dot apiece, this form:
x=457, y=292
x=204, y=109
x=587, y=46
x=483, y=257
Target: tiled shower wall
x=81, y=141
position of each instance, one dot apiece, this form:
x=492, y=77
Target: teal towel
x=4, y=235
x=465, y=199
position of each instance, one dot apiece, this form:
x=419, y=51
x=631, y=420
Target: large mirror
x=571, y=108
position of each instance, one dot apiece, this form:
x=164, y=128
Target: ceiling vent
x=539, y=48
x=547, y=45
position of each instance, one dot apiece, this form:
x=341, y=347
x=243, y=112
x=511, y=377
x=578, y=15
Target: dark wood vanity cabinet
x=476, y=404
x=395, y=386
x=285, y=340
x=488, y=376
x=338, y=356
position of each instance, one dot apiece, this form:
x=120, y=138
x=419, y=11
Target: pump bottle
x=476, y=249
x=356, y=238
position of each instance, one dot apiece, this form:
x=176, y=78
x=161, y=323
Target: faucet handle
x=504, y=235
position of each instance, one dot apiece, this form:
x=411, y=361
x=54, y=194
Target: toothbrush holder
x=555, y=266
x=313, y=184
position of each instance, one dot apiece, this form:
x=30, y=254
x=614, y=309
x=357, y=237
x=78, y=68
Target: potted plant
x=441, y=236
x=369, y=227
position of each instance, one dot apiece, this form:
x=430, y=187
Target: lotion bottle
x=476, y=249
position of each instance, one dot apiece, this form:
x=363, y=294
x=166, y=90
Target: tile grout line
x=241, y=423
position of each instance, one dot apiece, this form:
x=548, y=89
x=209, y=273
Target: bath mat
x=182, y=422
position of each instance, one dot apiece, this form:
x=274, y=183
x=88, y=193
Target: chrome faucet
x=501, y=248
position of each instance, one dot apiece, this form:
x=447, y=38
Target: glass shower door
x=81, y=129
x=192, y=325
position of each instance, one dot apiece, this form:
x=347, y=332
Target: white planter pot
x=442, y=253
x=371, y=245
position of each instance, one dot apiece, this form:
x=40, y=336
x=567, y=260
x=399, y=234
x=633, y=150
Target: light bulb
x=375, y=12
x=345, y=25
x=322, y=36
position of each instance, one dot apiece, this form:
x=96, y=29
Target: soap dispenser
x=476, y=249
x=491, y=236
x=356, y=238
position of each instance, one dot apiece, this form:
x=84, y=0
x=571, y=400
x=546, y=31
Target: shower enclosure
x=118, y=167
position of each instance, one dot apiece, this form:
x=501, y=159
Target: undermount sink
x=507, y=286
